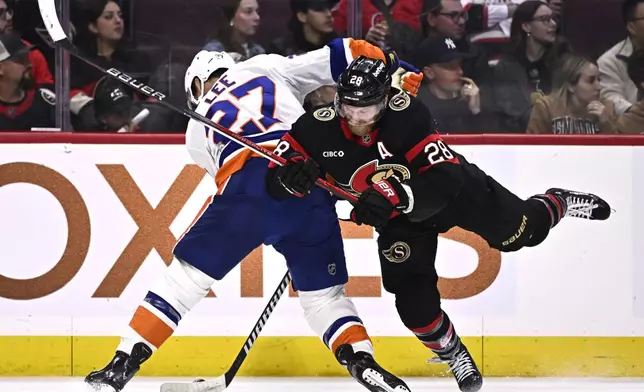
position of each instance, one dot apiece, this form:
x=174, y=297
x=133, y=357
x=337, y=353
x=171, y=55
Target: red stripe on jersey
x=13, y=111
x=436, y=150
x=418, y=148
x=294, y=145
x=453, y=160
x=39, y=67
x=346, y=131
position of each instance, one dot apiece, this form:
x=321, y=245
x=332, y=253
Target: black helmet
x=366, y=82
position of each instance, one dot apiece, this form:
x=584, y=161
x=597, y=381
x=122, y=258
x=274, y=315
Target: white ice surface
x=340, y=385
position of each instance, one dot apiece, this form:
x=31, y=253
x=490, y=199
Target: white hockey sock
x=333, y=316
x=169, y=299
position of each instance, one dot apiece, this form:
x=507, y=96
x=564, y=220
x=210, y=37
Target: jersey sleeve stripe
x=295, y=145
x=340, y=56
x=418, y=148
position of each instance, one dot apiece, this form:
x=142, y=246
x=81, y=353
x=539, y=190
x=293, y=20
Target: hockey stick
x=59, y=38
x=223, y=381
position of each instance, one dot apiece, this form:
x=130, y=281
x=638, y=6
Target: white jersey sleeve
x=306, y=72
x=260, y=98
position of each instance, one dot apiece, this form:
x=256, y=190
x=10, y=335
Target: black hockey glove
x=384, y=200
x=295, y=179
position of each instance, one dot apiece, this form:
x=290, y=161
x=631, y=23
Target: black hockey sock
x=439, y=336
x=555, y=205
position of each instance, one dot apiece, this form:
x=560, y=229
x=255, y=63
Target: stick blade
x=216, y=385
x=50, y=19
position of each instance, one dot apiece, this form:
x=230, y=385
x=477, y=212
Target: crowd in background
x=490, y=66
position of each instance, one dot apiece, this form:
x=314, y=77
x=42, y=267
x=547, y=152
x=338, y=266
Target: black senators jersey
x=36, y=110
x=405, y=144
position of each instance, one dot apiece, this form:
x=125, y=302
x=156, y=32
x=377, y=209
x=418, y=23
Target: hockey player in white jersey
x=259, y=98
x=204, y=71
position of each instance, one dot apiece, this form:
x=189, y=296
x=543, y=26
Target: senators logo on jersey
x=372, y=172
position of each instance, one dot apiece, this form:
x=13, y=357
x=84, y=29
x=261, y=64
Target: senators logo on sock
x=370, y=173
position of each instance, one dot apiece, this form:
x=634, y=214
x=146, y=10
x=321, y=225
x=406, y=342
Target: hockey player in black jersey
x=382, y=145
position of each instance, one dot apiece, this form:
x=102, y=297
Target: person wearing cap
x=310, y=28
x=8, y=24
x=23, y=105
x=113, y=107
x=117, y=109
x=453, y=99
x=450, y=18
x=204, y=71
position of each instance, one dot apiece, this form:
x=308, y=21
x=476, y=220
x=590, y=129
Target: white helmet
x=203, y=65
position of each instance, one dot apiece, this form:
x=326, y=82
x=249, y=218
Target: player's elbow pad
x=432, y=194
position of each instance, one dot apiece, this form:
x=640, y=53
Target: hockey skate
x=582, y=205
x=120, y=370
x=462, y=366
x=367, y=372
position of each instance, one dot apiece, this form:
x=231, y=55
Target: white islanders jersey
x=260, y=99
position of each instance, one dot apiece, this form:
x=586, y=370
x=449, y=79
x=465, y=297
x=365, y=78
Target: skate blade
x=376, y=379
x=216, y=385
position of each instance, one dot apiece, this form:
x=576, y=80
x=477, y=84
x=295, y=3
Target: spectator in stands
x=23, y=105
x=632, y=121
x=310, y=28
x=525, y=73
x=454, y=100
x=616, y=85
x=113, y=106
x=100, y=33
x=6, y=16
x=39, y=67
x=489, y=22
x=234, y=35
x=374, y=27
x=574, y=106
x=448, y=18
x=557, y=7
x=116, y=111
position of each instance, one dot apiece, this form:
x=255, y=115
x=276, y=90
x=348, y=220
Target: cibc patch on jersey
x=372, y=172
x=403, y=144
